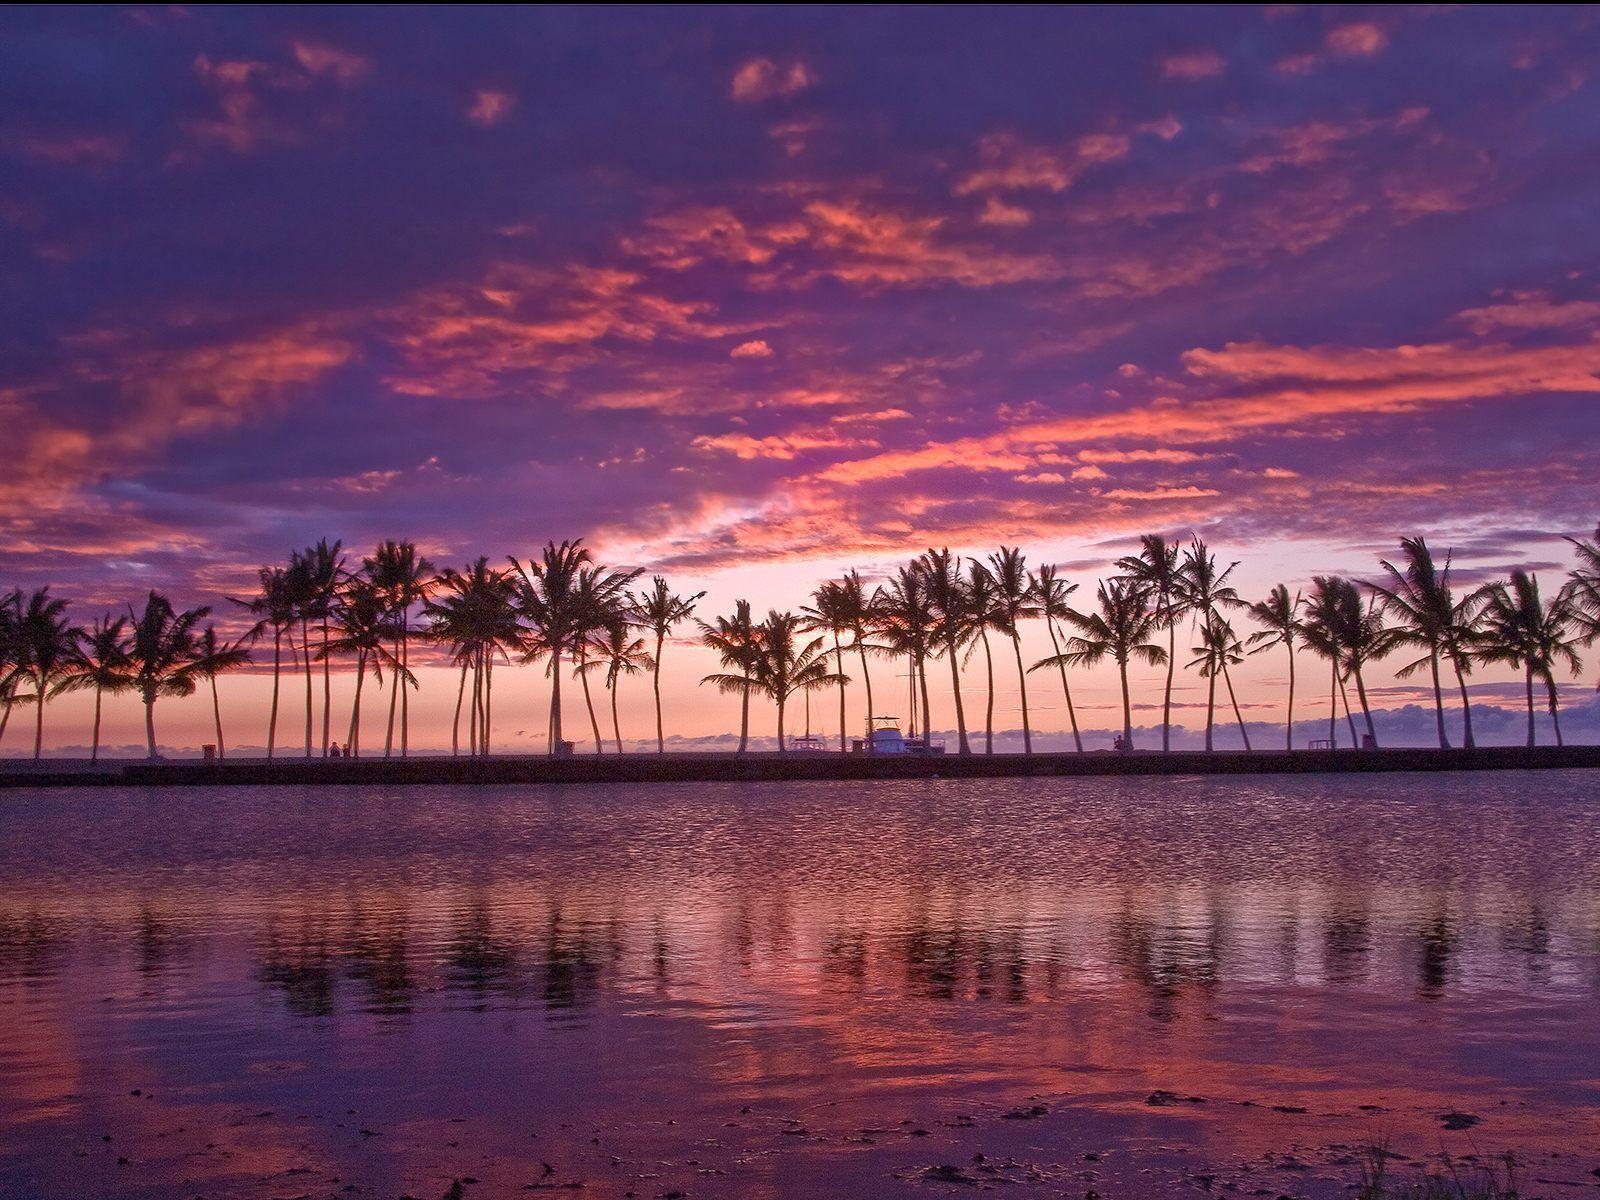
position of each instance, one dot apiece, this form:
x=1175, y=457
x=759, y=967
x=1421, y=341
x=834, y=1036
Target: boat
x=884, y=737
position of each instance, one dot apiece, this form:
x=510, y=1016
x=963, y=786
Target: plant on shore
x=617, y=652
x=102, y=663
x=1521, y=630
x=660, y=611
x=1159, y=569
x=1054, y=596
x=48, y=652
x=1120, y=631
x=402, y=579
x=163, y=656
x=784, y=666
x=1448, y=1180
x=215, y=656
x=737, y=641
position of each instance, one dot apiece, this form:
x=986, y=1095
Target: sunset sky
x=751, y=296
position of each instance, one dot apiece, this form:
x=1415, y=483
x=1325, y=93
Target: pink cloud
x=1193, y=64
x=1355, y=40
x=490, y=107
x=761, y=79
x=753, y=349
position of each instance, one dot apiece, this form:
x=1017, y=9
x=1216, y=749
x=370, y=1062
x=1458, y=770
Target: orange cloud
x=1011, y=164
x=341, y=65
x=755, y=349
x=1193, y=64
x=762, y=79
x=1356, y=39
x=490, y=107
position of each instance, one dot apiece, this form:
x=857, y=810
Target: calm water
x=810, y=990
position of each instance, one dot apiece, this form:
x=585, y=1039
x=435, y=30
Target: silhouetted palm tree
x=216, y=656
x=905, y=622
x=1015, y=602
x=316, y=574
x=1120, y=631
x=49, y=652
x=1280, y=617
x=1418, y=598
x=11, y=658
x=1365, y=639
x=273, y=607
x=403, y=578
x=831, y=611
x=659, y=610
x=1054, y=595
x=784, y=666
x=983, y=614
x=102, y=664
x=1159, y=569
x=737, y=641
x=163, y=655
x=950, y=601
x=617, y=652
x=365, y=627
x=859, y=606
x=1582, y=590
x=1326, y=620
x=1219, y=648
x=1521, y=630
x=1206, y=591
x=476, y=612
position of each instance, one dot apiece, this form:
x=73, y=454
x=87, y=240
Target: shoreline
x=770, y=766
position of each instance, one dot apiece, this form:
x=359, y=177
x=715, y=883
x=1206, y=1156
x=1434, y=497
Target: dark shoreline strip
x=682, y=768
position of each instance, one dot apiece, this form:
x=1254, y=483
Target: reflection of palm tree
x=273, y=608
x=1054, y=595
x=1418, y=597
x=1159, y=569
x=403, y=578
x=215, y=656
x=1219, y=649
x=737, y=641
x=1015, y=601
x=48, y=652
x=1205, y=592
x=658, y=610
x=950, y=601
x=1521, y=630
x=102, y=664
x=163, y=655
x=618, y=653
x=1120, y=631
x=785, y=667
x=1281, y=618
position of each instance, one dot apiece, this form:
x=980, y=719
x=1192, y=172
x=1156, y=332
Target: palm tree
x=1054, y=595
x=905, y=620
x=658, y=610
x=859, y=608
x=1219, y=648
x=737, y=641
x=558, y=611
x=1015, y=601
x=316, y=574
x=163, y=655
x=48, y=652
x=950, y=601
x=1583, y=589
x=1159, y=569
x=12, y=670
x=1281, y=618
x=1323, y=628
x=1365, y=639
x=1419, y=599
x=102, y=664
x=403, y=578
x=982, y=614
x=274, y=608
x=785, y=667
x=1205, y=592
x=602, y=603
x=476, y=611
x=1522, y=631
x=618, y=653
x=216, y=656
x=364, y=626
x=1120, y=631
x=832, y=611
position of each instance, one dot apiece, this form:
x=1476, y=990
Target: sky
x=750, y=296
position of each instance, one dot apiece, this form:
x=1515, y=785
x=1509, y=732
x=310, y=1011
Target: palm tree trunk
x=744, y=714
x=277, y=662
x=988, y=713
x=394, y=703
x=1166, y=697
x=216, y=715
x=305, y=647
x=655, y=678
x=455, y=728
x=1066, y=692
x=555, y=699
x=1288, y=724
x=1555, y=714
x=1438, y=701
x=1467, y=739
x=1333, y=703
x=866, y=676
x=838, y=658
x=1237, y=715
x=405, y=673
x=352, y=740
x=927, y=709
x=38, y=719
x=1344, y=695
x=94, y=749
x=781, y=747
x=1127, y=709
x=1022, y=686
x=588, y=702
x=616, y=726
x=488, y=701
x=327, y=689
x=1228, y=679
x=150, y=722
x=1366, y=709
x=5, y=716
x=1530, y=709
x=1211, y=695
x=961, y=714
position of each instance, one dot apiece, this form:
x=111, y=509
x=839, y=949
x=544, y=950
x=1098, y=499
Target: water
x=806, y=990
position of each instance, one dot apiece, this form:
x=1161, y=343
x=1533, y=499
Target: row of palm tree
x=575, y=615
